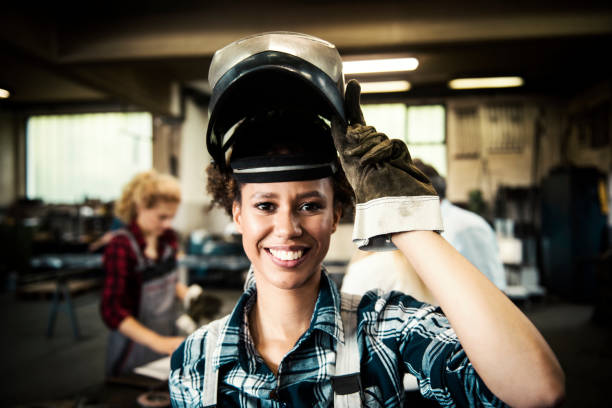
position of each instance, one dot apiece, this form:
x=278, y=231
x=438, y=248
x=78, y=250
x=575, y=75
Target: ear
x=237, y=216
x=337, y=216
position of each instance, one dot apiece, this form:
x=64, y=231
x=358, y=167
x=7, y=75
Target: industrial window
x=422, y=127
x=71, y=158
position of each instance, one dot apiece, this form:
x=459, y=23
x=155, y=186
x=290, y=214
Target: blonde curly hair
x=146, y=190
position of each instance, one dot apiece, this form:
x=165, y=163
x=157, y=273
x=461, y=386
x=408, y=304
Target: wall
x=193, y=160
x=341, y=247
x=492, y=142
x=588, y=138
x=7, y=161
x=549, y=133
x=12, y=162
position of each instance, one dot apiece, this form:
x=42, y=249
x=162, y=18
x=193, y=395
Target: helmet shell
x=270, y=71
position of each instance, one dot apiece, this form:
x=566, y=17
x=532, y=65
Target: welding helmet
x=267, y=72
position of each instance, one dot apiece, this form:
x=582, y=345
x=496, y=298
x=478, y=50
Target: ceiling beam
x=359, y=26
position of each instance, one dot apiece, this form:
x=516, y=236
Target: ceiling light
x=384, y=86
x=489, y=82
x=4, y=93
x=380, y=65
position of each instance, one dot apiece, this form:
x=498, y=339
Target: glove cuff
x=377, y=219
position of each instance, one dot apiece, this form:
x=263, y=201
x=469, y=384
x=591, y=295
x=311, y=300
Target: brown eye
x=310, y=206
x=265, y=206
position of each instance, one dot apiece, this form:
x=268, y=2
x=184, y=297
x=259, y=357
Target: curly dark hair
x=225, y=190
x=267, y=135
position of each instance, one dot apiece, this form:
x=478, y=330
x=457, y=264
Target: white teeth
x=286, y=255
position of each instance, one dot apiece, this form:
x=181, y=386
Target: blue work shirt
x=473, y=237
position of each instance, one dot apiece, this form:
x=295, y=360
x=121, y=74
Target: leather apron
x=156, y=310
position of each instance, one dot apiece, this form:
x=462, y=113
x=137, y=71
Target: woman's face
x=286, y=228
x=155, y=220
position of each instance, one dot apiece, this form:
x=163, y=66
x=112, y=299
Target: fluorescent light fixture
x=384, y=86
x=4, y=93
x=380, y=65
x=488, y=82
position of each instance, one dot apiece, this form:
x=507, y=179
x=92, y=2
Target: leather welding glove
x=392, y=195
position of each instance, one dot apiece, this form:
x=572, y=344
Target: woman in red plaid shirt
x=141, y=283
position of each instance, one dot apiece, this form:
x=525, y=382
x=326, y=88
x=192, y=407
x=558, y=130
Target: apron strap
x=139, y=256
x=347, y=381
x=211, y=371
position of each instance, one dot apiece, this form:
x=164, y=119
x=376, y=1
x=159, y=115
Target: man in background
x=468, y=232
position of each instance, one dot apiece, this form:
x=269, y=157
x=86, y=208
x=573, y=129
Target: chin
x=288, y=285
x=289, y=280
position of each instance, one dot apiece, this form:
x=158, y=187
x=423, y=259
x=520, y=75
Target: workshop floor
x=36, y=368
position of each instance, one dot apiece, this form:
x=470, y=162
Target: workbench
x=63, y=275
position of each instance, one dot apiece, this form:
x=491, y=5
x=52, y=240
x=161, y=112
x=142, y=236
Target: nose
x=287, y=224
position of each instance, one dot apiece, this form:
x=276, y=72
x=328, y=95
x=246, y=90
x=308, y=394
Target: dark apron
x=156, y=311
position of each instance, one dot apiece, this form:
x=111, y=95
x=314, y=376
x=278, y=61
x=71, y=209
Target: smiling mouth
x=285, y=255
x=288, y=257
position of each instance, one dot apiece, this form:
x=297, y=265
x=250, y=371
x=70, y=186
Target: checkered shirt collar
x=237, y=344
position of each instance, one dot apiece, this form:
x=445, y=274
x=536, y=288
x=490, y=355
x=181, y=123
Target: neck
x=283, y=315
x=149, y=237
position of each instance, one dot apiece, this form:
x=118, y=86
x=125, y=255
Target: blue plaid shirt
x=396, y=334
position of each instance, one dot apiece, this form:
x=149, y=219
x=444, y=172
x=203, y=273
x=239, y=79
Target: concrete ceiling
x=141, y=54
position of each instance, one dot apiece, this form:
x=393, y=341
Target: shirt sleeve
x=479, y=246
x=186, y=379
x=119, y=294
x=430, y=350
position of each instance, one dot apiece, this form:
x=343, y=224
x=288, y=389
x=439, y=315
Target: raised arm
x=139, y=333
x=393, y=196
x=507, y=351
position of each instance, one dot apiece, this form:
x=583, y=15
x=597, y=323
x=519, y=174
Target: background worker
x=468, y=232
x=141, y=282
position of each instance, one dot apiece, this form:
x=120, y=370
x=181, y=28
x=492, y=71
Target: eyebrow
x=308, y=194
x=259, y=195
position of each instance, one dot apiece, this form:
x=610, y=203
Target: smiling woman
x=286, y=225
x=286, y=229
x=292, y=338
